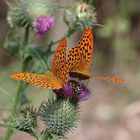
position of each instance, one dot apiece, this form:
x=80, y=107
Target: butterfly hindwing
x=110, y=78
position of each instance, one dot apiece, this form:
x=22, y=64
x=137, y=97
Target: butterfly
x=54, y=79
x=79, y=59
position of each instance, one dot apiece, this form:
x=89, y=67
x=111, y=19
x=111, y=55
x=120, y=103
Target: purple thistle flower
x=43, y=24
x=74, y=89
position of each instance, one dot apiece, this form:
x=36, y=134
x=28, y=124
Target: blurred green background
x=113, y=112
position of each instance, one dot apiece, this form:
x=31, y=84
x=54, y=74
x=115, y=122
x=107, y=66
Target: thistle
x=83, y=12
x=24, y=120
x=27, y=13
x=81, y=16
x=42, y=24
x=74, y=89
x=59, y=115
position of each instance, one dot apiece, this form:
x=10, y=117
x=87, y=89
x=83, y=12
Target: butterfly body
x=76, y=86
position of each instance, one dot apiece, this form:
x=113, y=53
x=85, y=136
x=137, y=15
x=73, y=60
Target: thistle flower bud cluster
x=25, y=13
x=60, y=116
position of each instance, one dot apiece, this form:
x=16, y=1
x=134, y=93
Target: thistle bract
x=59, y=115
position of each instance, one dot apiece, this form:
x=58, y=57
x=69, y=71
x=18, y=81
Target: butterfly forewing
x=79, y=57
x=85, y=46
x=47, y=80
x=54, y=79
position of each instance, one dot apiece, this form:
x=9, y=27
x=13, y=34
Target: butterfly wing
x=79, y=57
x=54, y=79
x=110, y=78
x=47, y=80
x=59, y=66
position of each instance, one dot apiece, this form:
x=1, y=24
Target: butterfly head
x=74, y=89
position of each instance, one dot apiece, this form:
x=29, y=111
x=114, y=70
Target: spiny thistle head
x=26, y=12
x=74, y=90
x=82, y=15
x=25, y=119
x=59, y=115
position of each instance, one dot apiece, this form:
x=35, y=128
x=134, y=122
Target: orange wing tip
x=117, y=80
x=15, y=76
x=64, y=38
x=12, y=76
x=89, y=29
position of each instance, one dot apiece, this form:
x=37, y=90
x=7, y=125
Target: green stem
x=31, y=132
x=90, y=2
x=23, y=67
x=70, y=31
x=34, y=134
x=45, y=66
x=7, y=126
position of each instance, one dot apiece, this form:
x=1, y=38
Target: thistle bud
x=59, y=115
x=25, y=119
x=82, y=15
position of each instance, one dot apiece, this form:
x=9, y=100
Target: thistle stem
x=90, y=2
x=45, y=66
x=7, y=126
x=32, y=133
x=19, y=88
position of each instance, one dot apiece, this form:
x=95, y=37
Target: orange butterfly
x=79, y=58
x=56, y=78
